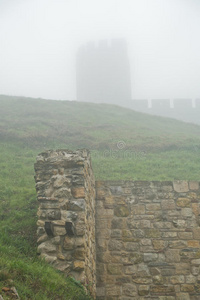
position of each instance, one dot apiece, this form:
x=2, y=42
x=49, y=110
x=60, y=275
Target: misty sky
x=39, y=40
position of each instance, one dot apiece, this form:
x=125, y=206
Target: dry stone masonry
x=66, y=215
x=148, y=240
x=147, y=233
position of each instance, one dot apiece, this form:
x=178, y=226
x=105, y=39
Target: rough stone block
x=182, y=269
x=121, y=211
x=78, y=192
x=191, y=279
x=100, y=291
x=179, y=223
x=172, y=255
x=114, y=269
x=115, y=245
x=159, y=244
x=193, y=244
x=160, y=289
x=148, y=257
x=195, y=209
x=153, y=207
x=183, y=296
x=187, y=288
x=186, y=212
x=177, y=279
x=183, y=202
x=129, y=246
x=177, y=244
x=169, y=235
x=68, y=243
x=181, y=186
x=168, y=204
x=141, y=279
x=196, y=233
x=163, y=225
x=152, y=233
x=194, y=185
x=130, y=270
x=195, y=261
x=143, y=290
x=78, y=205
x=129, y=290
x=46, y=247
x=79, y=254
x=59, y=230
x=185, y=235
x=113, y=290
x=139, y=209
x=80, y=229
x=136, y=258
x=78, y=265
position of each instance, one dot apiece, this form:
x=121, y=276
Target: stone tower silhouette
x=103, y=72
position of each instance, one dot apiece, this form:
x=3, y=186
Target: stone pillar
x=66, y=216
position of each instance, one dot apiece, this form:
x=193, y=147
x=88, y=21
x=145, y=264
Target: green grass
x=124, y=145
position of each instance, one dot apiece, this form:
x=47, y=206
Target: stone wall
x=66, y=215
x=148, y=237
x=147, y=233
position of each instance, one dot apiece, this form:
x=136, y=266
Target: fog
x=40, y=39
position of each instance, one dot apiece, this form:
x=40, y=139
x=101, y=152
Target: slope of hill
x=124, y=145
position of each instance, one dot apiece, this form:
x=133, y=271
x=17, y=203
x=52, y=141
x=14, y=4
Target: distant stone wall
x=148, y=237
x=66, y=214
x=147, y=233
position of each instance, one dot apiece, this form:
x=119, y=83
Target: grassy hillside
x=124, y=145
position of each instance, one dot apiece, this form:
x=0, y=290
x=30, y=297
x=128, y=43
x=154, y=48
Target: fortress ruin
x=122, y=239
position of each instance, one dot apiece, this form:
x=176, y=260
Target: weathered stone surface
x=168, y=204
x=100, y=291
x=114, y=269
x=194, y=185
x=152, y=233
x=160, y=289
x=61, y=175
x=187, y=212
x=78, y=265
x=148, y=257
x=46, y=247
x=196, y=233
x=159, y=244
x=177, y=279
x=187, y=288
x=49, y=259
x=115, y=245
x=185, y=235
x=113, y=290
x=129, y=290
x=139, y=210
x=172, y=255
x=152, y=207
x=59, y=230
x=147, y=233
x=182, y=269
x=121, y=211
x=130, y=270
x=180, y=186
x=143, y=290
x=131, y=246
x=196, y=261
x=183, y=202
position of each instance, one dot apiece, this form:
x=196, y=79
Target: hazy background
x=39, y=40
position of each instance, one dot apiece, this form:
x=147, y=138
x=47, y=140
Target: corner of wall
x=66, y=215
